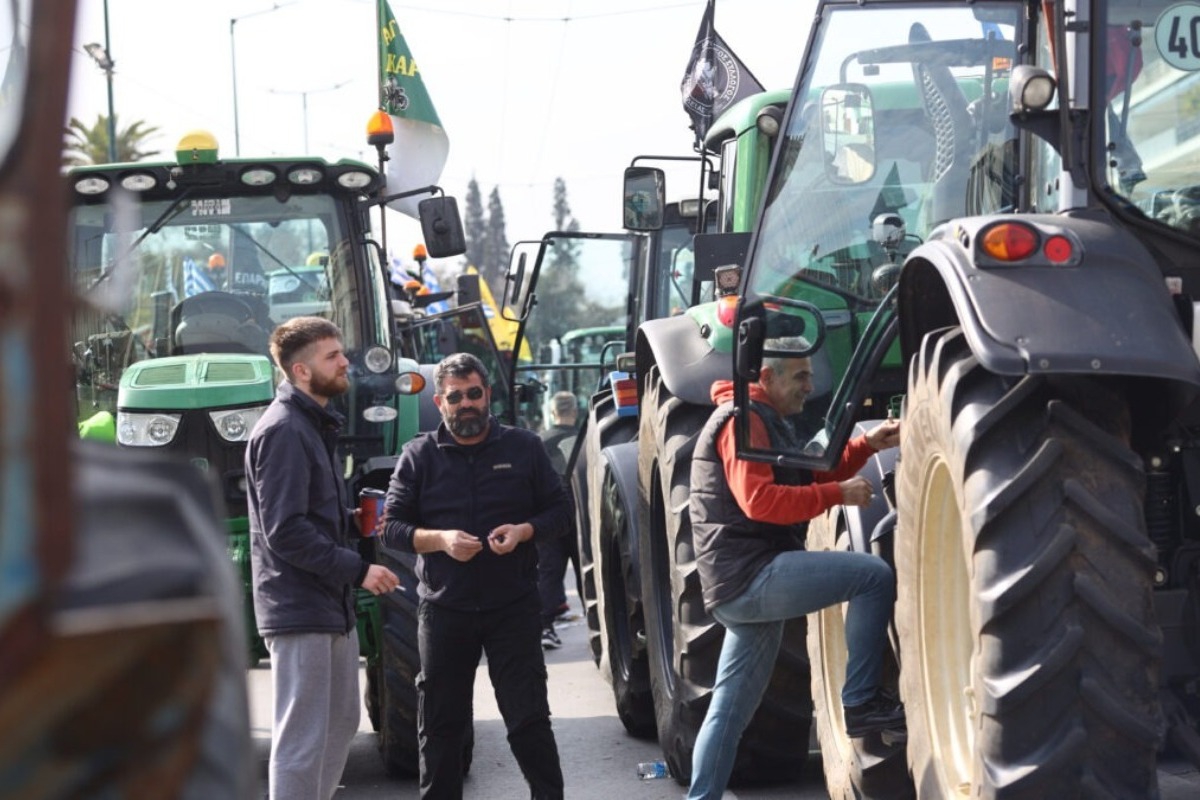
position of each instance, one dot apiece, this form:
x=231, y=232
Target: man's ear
x=437, y=401
x=301, y=373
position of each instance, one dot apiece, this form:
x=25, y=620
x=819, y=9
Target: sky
x=527, y=90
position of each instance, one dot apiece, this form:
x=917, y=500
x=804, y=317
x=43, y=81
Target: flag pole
x=387, y=258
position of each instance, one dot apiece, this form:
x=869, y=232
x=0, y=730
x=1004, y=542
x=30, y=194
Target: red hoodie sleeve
x=761, y=499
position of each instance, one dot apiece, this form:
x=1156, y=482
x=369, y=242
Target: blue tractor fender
x=621, y=461
x=1106, y=311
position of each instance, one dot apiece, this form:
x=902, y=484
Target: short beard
x=467, y=427
x=333, y=387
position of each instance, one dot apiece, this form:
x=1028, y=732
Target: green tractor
x=202, y=258
x=1028, y=171
x=650, y=635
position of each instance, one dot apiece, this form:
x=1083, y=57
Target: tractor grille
x=228, y=371
x=161, y=376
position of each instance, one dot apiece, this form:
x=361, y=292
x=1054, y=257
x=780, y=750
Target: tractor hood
x=207, y=380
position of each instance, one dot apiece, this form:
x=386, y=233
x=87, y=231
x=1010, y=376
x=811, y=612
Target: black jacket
x=302, y=553
x=439, y=484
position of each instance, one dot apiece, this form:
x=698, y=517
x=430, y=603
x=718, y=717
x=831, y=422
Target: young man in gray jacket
x=305, y=566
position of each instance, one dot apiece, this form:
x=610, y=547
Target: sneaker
x=874, y=716
x=550, y=640
x=563, y=613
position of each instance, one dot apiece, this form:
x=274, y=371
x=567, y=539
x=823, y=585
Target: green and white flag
x=418, y=154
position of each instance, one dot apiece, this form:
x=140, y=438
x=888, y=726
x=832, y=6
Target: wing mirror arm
x=747, y=355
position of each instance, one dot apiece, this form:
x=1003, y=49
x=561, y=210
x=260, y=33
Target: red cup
x=370, y=502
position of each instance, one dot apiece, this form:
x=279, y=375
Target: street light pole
x=100, y=54
x=304, y=93
x=112, y=117
x=237, y=134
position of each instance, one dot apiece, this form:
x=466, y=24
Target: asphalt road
x=599, y=758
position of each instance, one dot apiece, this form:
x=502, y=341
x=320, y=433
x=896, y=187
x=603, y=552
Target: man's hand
x=460, y=545
x=857, y=491
x=380, y=580
x=505, y=538
x=885, y=435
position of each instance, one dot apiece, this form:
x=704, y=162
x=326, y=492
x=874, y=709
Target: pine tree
x=89, y=145
x=560, y=304
x=474, y=225
x=494, y=261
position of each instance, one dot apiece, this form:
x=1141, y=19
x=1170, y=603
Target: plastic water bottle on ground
x=649, y=770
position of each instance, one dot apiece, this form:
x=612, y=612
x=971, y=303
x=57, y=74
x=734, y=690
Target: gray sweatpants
x=315, y=676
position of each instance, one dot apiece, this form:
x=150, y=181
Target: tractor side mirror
x=848, y=133
x=441, y=227
x=644, y=198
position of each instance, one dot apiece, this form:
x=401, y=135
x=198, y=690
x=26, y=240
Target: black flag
x=715, y=78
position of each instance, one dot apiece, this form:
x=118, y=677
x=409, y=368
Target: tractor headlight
x=235, y=424
x=377, y=359
x=146, y=430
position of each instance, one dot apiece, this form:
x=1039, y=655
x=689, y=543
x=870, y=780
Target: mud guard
x=1047, y=318
x=686, y=361
x=622, y=460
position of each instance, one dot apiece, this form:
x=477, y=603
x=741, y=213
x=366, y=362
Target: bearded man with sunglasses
x=470, y=499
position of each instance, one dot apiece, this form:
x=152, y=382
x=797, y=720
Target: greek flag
x=195, y=279
x=434, y=286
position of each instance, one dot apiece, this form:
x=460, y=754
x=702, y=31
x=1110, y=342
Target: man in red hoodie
x=749, y=520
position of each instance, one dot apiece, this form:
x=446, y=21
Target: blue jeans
x=795, y=583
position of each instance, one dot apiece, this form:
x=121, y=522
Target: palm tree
x=89, y=145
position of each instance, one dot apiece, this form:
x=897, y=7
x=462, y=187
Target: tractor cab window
x=465, y=329
x=577, y=322
x=899, y=125
x=202, y=275
x=1151, y=100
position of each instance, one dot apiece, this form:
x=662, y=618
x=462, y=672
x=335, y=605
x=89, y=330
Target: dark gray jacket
x=302, y=554
x=441, y=485
x=731, y=548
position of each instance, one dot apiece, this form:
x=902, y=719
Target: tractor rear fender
x=1105, y=312
x=621, y=460
x=687, y=362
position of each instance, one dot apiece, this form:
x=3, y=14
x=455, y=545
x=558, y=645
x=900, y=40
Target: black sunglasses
x=455, y=397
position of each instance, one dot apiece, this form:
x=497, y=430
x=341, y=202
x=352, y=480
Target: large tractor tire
x=1025, y=614
x=866, y=767
x=618, y=637
x=604, y=429
x=684, y=642
x=391, y=692
x=619, y=601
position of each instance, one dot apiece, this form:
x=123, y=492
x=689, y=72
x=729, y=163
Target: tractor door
x=573, y=300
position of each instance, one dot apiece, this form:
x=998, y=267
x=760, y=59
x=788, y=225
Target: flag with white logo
x=715, y=78
x=419, y=152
